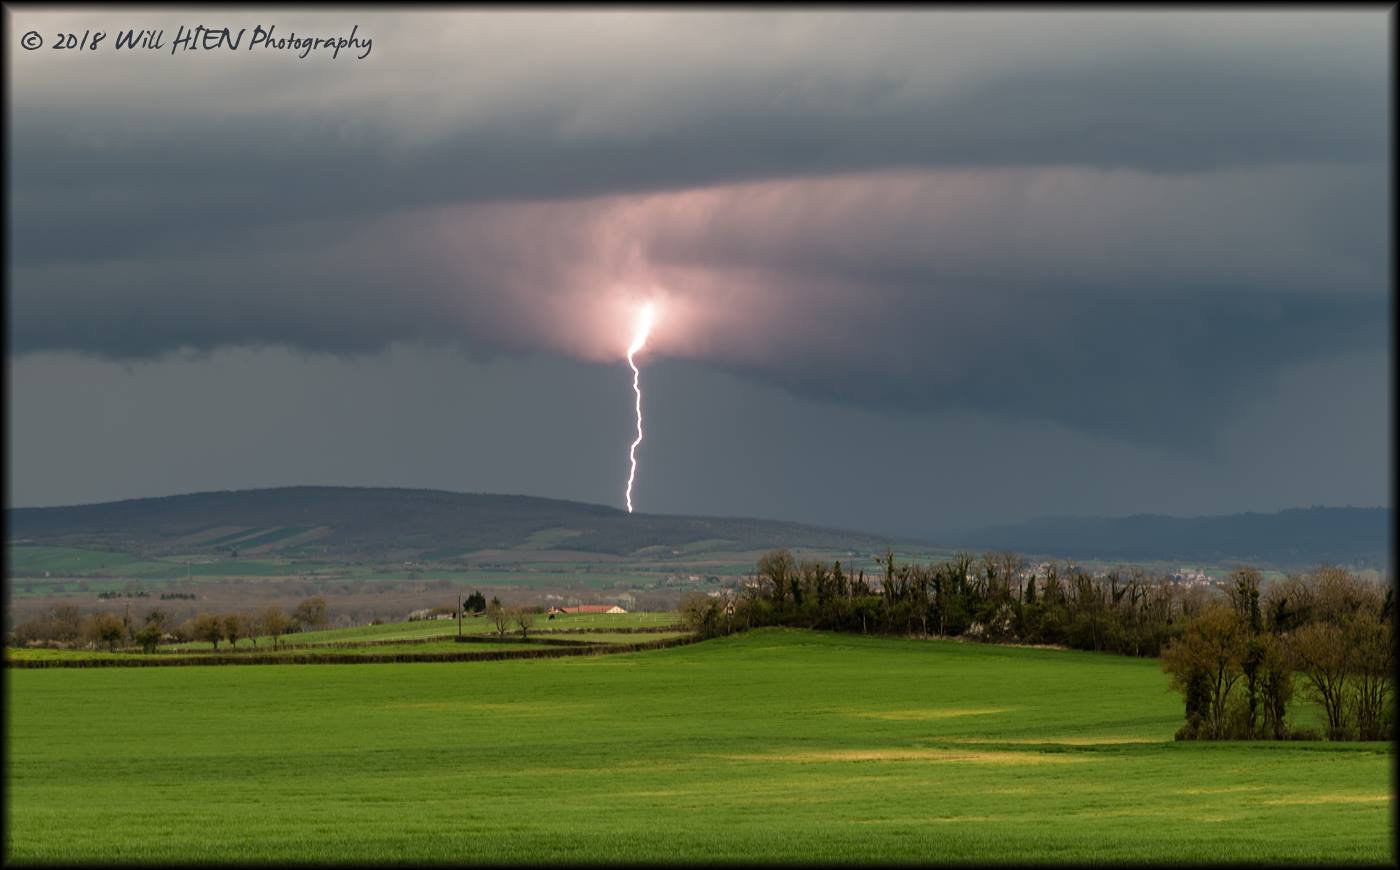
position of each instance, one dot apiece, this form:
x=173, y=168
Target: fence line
x=482, y=637
x=555, y=651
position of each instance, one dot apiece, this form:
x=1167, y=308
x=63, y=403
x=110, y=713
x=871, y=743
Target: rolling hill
x=381, y=524
x=376, y=523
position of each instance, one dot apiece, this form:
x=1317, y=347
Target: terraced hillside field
x=778, y=744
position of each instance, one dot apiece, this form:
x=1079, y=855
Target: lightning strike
x=639, y=340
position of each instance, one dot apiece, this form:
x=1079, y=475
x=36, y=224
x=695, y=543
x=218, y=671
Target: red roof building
x=593, y=608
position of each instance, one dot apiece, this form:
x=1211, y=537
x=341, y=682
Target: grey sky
x=917, y=270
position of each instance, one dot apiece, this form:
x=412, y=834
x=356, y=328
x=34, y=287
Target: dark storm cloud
x=1136, y=92
x=1118, y=222
x=1160, y=371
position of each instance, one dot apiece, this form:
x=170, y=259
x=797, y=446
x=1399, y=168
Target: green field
x=63, y=560
x=778, y=744
x=110, y=571
x=422, y=648
x=423, y=645
x=470, y=625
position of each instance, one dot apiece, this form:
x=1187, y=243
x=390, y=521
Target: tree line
x=65, y=625
x=1237, y=663
x=1233, y=660
x=991, y=597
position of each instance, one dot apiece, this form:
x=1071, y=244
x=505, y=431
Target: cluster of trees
x=309, y=615
x=505, y=616
x=65, y=625
x=1235, y=657
x=988, y=598
x=1236, y=662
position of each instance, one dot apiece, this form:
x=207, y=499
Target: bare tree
x=149, y=637
x=524, y=618
x=1322, y=654
x=159, y=620
x=1243, y=592
x=1287, y=603
x=274, y=624
x=67, y=622
x=777, y=566
x=1209, y=656
x=1276, y=680
x=499, y=616
x=1371, y=642
x=104, y=628
x=310, y=613
x=208, y=627
x=700, y=613
x=235, y=626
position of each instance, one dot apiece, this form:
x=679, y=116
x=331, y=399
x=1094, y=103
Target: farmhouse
x=431, y=613
x=589, y=608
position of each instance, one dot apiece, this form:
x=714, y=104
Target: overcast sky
x=915, y=271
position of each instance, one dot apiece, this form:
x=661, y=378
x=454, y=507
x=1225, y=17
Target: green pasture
x=74, y=562
x=63, y=560
x=106, y=570
x=775, y=745
x=470, y=625
x=606, y=637
x=434, y=645
x=429, y=647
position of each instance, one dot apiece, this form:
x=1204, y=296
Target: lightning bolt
x=639, y=340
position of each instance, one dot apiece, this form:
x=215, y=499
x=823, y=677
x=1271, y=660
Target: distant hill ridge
x=1295, y=537
x=372, y=522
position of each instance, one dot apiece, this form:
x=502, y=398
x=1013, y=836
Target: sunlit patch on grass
x=1056, y=741
x=1328, y=799
x=1217, y=818
x=912, y=754
x=1012, y=791
x=935, y=713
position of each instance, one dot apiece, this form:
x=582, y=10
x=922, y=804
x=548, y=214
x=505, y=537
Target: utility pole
x=459, y=613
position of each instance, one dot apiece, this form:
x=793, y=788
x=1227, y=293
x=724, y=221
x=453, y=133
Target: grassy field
x=778, y=745
x=471, y=625
x=421, y=645
x=63, y=560
x=428, y=648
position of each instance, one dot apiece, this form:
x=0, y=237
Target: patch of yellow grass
x=1118, y=814
x=664, y=792
x=1216, y=818
x=1329, y=799
x=1054, y=741
x=936, y=713
x=912, y=754
x=1220, y=789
